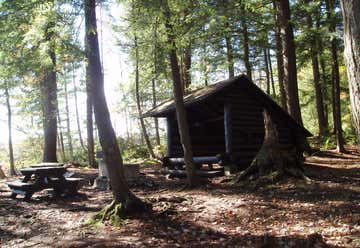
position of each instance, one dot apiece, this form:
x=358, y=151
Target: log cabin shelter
x=226, y=118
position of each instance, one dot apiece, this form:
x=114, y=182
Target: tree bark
x=205, y=63
x=153, y=84
x=267, y=72
x=77, y=109
x=271, y=158
x=156, y=121
x=290, y=70
x=351, y=17
x=138, y=105
x=316, y=77
x=245, y=34
x=229, y=55
x=271, y=73
x=179, y=101
x=9, y=114
x=187, y=66
x=335, y=79
x=60, y=138
x=280, y=58
x=114, y=164
x=324, y=83
x=68, y=129
x=49, y=94
x=89, y=120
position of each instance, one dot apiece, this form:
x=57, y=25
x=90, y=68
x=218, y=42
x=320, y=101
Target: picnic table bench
x=44, y=176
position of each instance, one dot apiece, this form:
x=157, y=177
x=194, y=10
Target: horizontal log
x=197, y=160
x=201, y=173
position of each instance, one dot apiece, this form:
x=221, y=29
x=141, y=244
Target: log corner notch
x=274, y=160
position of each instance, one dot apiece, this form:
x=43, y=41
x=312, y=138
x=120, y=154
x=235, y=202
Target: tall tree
x=314, y=48
x=290, y=70
x=9, y=114
x=267, y=73
x=154, y=80
x=178, y=96
x=68, y=129
x=128, y=202
x=351, y=16
x=279, y=57
x=89, y=120
x=187, y=66
x=229, y=50
x=49, y=94
x=245, y=34
x=271, y=72
x=60, y=137
x=335, y=76
x=138, y=103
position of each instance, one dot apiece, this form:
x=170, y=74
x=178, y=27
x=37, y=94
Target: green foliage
x=27, y=152
x=81, y=156
x=132, y=150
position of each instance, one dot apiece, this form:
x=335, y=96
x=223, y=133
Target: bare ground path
x=323, y=213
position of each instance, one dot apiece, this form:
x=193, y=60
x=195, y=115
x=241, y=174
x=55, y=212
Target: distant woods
x=293, y=50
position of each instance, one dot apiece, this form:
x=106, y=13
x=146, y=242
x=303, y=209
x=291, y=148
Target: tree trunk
x=271, y=73
x=245, y=34
x=156, y=121
x=280, y=58
x=267, y=71
x=114, y=164
x=179, y=101
x=229, y=53
x=316, y=76
x=138, y=105
x=290, y=71
x=89, y=120
x=49, y=94
x=205, y=62
x=60, y=138
x=335, y=79
x=9, y=114
x=68, y=129
x=77, y=109
x=351, y=16
x=187, y=67
x=153, y=84
x=272, y=159
x=324, y=83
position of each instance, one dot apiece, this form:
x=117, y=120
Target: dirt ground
x=322, y=213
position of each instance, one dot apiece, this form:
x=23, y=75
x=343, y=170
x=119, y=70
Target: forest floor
x=322, y=213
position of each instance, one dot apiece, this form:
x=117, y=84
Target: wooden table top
x=47, y=165
x=50, y=171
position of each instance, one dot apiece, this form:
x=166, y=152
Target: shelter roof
x=198, y=96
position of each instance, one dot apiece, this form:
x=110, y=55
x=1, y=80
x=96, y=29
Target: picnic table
x=44, y=176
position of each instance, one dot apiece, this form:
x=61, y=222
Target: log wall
x=248, y=126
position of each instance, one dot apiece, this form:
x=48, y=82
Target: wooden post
x=169, y=130
x=227, y=128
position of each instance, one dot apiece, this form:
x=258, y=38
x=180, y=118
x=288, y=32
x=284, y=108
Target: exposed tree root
x=274, y=161
x=116, y=212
